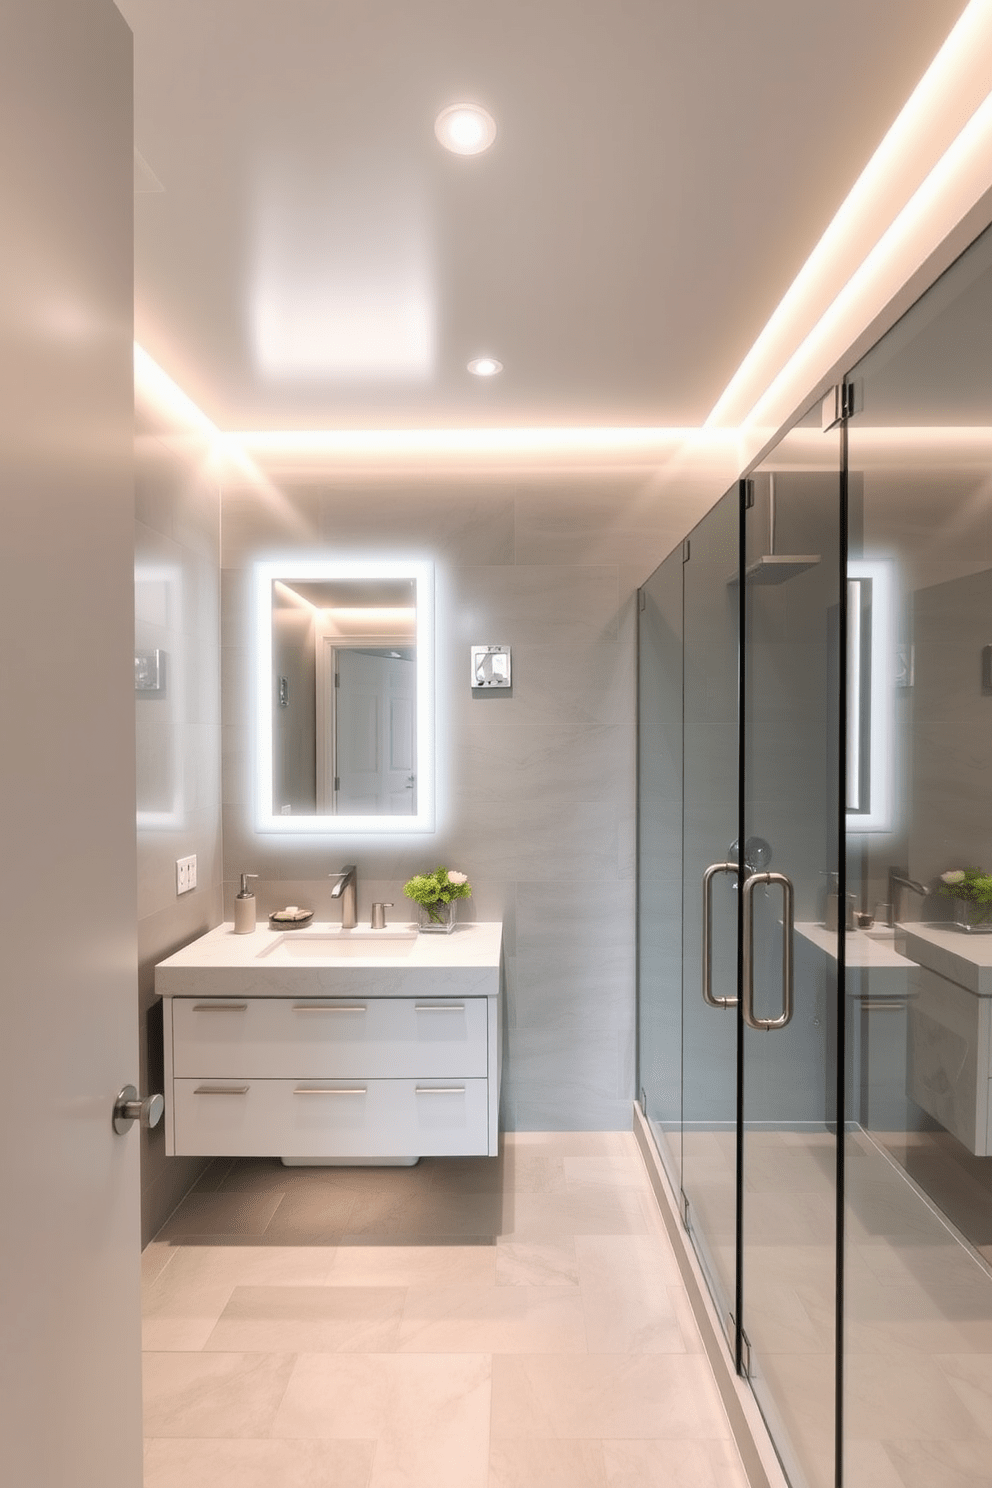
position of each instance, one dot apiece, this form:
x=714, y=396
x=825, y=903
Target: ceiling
x=662, y=169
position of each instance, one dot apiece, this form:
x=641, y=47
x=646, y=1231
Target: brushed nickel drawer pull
x=221, y=1090
x=329, y=1007
x=331, y=1090
x=438, y=1007
x=220, y=1007
x=439, y=1089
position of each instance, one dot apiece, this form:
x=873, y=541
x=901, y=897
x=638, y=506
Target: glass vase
x=437, y=919
x=972, y=918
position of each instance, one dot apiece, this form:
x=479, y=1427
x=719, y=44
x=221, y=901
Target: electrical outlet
x=185, y=874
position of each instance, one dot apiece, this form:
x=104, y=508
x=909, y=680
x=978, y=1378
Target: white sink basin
x=340, y=945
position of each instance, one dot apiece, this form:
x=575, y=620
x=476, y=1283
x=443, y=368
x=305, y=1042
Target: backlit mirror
x=344, y=696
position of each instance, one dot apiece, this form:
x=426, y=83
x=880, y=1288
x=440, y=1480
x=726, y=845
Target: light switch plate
x=490, y=667
x=185, y=874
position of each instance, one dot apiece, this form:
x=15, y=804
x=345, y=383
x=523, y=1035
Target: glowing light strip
x=878, y=817
x=301, y=570
x=940, y=109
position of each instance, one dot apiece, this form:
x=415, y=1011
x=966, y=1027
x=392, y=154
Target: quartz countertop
x=222, y=963
x=965, y=959
x=862, y=950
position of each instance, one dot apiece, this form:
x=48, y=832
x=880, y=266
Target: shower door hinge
x=841, y=402
x=642, y=600
x=685, y=1213
x=745, y=1354
x=748, y=494
x=337, y=782
x=686, y=550
x=644, y=1102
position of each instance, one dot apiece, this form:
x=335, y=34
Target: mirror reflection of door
x=372, y=765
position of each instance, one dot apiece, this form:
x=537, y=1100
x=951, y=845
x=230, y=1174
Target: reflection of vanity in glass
x=344, y=696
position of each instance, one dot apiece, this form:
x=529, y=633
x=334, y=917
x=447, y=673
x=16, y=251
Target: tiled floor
x=918, y=1302
x=509, y=1323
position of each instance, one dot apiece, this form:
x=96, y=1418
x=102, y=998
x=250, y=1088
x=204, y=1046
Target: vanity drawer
x=292, y=1038
x=311, y=1118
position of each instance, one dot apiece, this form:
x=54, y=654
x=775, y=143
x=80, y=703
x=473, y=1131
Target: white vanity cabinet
x=380, y=1059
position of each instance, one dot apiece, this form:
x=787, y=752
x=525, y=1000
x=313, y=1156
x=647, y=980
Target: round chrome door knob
x=128, y=1109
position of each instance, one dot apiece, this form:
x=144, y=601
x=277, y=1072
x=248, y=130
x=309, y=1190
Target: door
x=709, y=897
x=375, y=733
x=789, y=972
x=70, y=1408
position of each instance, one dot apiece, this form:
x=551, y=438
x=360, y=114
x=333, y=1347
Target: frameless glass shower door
x=792, y=578
x=710, y=902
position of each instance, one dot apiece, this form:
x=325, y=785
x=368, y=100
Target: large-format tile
x=257, y=1463
x=673, y=1464
x=605, y=1172
x=546, y=1261
x=631, y=1296
x=492, y=1320
x=551, y=1463
x=356, y=1264
x=940, y=1464
x=294, y=1319
x=198, y=1394
x=606, y=1395
x=428, y=1412
x=585, y=1212
x=206, y=1213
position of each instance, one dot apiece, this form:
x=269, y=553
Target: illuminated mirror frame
x=871, y=698
x=309, y=570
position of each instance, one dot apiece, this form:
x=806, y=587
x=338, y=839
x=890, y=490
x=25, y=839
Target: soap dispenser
x=244, y=907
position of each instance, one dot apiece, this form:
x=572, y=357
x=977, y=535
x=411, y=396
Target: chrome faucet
x=346, y=889
x=899, y=880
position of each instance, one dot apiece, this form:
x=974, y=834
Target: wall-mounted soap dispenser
x=244, y=907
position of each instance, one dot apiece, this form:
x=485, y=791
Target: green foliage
x=432, y=890
x=972, y=884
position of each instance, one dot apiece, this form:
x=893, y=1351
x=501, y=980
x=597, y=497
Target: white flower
x=956, y=876
x=460, y=878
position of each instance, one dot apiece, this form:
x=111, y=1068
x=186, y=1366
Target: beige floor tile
x=549, y=1261
x=428, y=1412
x=546, y=1464
x=156, y=1255
x=970, y=1377
x=868, y=1465
x=605, y=1172
x=200, y=1394
x=492, y=1320
x=586, y=1212
x=627, y=1284
x=358, y=1264
x=606, y=1395
x=673, y=1464
x=939, y=1464
x=309, y=1320
x=317, y=1215
x=218, y=1213
x=255, y=1463
x=182, y=1335
x=261, y=1264
x=427, y=1216
x=570, y=1144
x=907, y=1398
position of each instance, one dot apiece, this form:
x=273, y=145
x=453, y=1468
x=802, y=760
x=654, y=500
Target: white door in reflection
x=375, y=733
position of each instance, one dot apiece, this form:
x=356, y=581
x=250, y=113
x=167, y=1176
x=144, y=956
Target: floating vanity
x=950, y=1028
x=324, y=1045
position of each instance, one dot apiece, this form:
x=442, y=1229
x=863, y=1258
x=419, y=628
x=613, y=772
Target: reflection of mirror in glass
x=343, y=696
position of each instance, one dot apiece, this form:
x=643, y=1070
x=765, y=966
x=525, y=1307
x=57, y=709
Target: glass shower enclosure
x=815, y=1007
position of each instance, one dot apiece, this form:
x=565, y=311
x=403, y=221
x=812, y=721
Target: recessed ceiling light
x=465, y=128
x=485, y=367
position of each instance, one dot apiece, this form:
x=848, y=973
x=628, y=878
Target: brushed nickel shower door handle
x=768, y=1025
x=712, y=872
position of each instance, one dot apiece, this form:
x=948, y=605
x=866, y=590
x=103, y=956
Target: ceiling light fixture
x=465, y=128
x=485, y=367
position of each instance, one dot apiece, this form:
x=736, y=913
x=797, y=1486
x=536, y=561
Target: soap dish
x=290, y=918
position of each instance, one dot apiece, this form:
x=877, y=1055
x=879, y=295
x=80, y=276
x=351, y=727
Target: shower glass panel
x=710, y=899
x=659, y=843
x=792, y=577
x=918, y=1212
